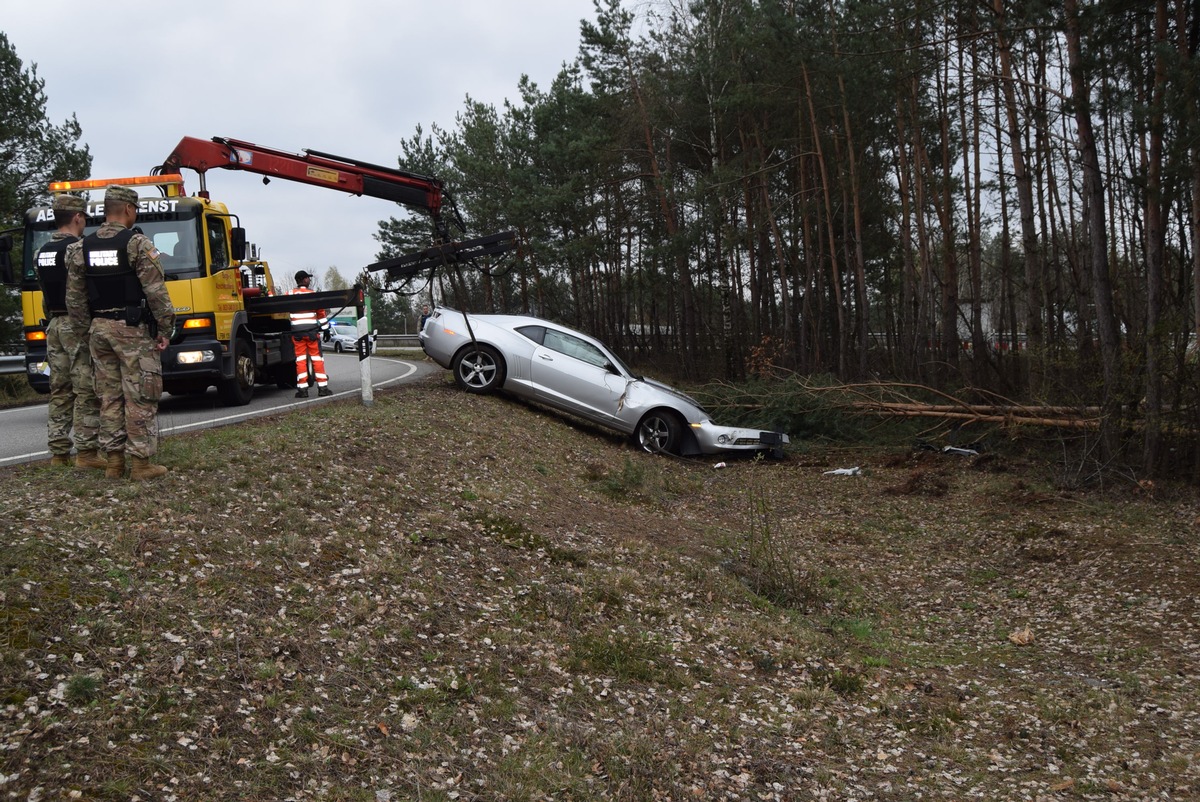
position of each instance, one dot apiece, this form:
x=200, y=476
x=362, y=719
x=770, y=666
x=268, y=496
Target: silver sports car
x=569, y=371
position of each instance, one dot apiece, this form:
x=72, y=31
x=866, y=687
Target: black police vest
x=52, y=273
x=111, y=280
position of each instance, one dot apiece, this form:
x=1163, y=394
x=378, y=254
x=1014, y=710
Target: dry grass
x=449, y=597
x=15, y=391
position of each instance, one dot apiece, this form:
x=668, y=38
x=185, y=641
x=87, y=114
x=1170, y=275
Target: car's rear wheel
x=478, y=369
x=659, y=432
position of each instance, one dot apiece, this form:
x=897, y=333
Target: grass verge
x=470, y=599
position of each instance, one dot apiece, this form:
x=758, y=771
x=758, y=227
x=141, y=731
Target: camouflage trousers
x=73, y=403
x=129, y=383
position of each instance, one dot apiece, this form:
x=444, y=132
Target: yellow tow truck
x=233, y=330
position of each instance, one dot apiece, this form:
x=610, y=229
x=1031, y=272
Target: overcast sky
x=352, y=77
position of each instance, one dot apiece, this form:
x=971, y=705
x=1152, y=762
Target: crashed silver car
x=564, y=369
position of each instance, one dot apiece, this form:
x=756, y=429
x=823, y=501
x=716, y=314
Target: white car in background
x=569, y=371
x=342, y=338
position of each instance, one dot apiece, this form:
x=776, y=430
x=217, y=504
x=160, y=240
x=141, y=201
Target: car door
x=573, y=375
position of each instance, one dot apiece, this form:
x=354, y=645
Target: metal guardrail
x=12, y=359
x=12, y=365
x=397, y=341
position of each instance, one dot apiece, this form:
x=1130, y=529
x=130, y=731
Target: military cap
x=118, y=194
x=68, y=203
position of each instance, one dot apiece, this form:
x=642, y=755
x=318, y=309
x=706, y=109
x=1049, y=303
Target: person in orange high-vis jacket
x=306, y=340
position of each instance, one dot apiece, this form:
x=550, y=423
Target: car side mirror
x=6, y=268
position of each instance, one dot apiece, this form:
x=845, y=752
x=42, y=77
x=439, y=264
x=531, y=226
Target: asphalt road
x=23, y=429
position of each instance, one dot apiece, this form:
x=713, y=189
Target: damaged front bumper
x=714, y=439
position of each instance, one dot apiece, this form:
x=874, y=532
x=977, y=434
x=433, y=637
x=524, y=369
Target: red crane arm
x=311, y=167
x=347, y=175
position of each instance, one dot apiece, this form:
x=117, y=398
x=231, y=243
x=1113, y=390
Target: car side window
x=575, y=347
x=535, y=333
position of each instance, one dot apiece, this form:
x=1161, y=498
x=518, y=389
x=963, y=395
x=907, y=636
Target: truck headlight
x=194, y=357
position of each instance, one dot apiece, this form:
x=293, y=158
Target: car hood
x=666, y=388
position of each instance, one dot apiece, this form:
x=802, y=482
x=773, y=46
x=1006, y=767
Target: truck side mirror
x=6, y=268
x=238, y=235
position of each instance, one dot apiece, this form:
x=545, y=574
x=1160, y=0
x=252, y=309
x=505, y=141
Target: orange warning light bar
x=173, y=182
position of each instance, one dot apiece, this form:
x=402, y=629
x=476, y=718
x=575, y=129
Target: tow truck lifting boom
x=315, y=168
x=347, y=175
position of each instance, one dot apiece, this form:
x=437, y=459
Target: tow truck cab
x=201, y=255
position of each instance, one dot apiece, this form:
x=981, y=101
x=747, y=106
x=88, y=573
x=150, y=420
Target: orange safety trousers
x=309, y=348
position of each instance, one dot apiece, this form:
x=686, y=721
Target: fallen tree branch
x=923, y=411
x=902, y=399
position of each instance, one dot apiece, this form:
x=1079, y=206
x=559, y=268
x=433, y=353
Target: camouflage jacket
x=143, y=256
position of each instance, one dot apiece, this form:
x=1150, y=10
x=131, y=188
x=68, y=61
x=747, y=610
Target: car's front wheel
x=478, y=369
x=659, y=433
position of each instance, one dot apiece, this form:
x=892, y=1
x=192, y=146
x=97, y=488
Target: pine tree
x=32, y=153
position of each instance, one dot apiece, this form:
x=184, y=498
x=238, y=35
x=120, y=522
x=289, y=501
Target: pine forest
x=994, y=198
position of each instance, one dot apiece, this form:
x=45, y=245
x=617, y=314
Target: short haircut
x=63, y=217
x=110, y=207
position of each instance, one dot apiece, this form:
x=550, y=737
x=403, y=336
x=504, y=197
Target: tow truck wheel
x=238, y=390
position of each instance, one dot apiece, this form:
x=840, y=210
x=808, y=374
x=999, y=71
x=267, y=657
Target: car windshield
x=621, y=365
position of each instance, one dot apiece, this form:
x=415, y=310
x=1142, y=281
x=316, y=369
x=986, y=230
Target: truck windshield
x=178, y=246
x=175, y=237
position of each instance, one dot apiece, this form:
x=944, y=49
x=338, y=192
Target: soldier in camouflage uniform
x=115, y=287
x=73, y=403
